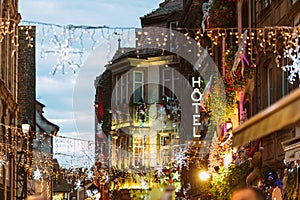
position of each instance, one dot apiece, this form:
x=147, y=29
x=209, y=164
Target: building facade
x=275, y=120
x=8, y=95
x=42, y=151
x=272, y=83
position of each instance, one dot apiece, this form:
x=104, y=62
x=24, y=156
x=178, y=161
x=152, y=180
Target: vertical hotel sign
x=196, y=97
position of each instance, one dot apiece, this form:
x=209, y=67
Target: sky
x=68, y=98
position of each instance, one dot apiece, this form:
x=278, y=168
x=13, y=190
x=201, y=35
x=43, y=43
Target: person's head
x=247, y=193
x=36, y=197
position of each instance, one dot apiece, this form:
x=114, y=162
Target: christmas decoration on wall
x=226, y=179
x=292, y=52
x=7, y=27
x=240, y=55
x=180, y=158
x=223, y=14
x=169, y=110
x=141, y=113
x=8, y=32
x=206, y=6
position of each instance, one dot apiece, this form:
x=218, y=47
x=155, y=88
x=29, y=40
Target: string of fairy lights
x=68, y=43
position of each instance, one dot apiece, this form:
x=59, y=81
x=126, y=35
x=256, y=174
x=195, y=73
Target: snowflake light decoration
x=2, y=159
x=144, y=185
x=93, y=194
x=294, y=55
x=78, y=184
x=64, y=52
x=90, y=175
x=180, y=159
x=160, y=172
x=89, y=193
x=37, y=175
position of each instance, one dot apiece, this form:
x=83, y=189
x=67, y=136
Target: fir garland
x=223, y=14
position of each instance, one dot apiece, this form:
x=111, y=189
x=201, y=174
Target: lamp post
x=22, y=161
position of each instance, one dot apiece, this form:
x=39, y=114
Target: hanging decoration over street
x=69, y=43
x=64, y=54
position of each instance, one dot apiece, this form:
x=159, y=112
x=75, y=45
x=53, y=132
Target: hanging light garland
x=8, y=30
x=68, y=43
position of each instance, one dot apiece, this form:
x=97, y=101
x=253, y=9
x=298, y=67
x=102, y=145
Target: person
x=36, y=197
x=247, y=193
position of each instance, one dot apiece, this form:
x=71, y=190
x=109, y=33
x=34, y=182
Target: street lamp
x=25, y=128
x=23, y=160
x=204, y=175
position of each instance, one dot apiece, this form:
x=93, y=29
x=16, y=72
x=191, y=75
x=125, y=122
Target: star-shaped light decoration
x=2, y=159
x=65, y=53
x=78, y=184
x=294, y=55
x=37, y=175
x=176, y=176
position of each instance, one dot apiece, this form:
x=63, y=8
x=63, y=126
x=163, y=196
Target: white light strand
x=68, y=43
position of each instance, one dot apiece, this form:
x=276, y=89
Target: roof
x=120, y=52
x=143, y=53
x=43, y=123
x=166, y=8
x=100, y=80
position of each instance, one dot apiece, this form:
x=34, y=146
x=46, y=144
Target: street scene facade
x=205, y=101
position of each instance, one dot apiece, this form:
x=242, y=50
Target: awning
x=282, y=114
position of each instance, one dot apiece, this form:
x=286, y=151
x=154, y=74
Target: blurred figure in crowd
x=36, y=197
x=247, y=193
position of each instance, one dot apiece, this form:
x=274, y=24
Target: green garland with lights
x=234, y=82
x=292, y=188
x=226, y=179
x=223, y=14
